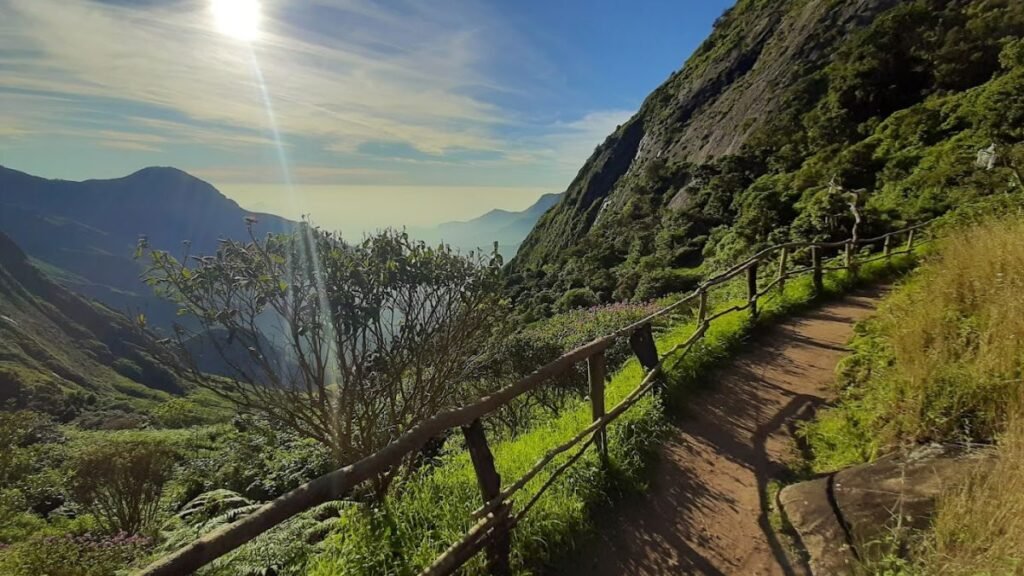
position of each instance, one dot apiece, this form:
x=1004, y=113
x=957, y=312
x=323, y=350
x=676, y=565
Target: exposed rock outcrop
x=852, y=514
x=730, y=87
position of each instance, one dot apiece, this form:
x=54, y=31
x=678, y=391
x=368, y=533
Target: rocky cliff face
x=742, y=75
x=787, y=104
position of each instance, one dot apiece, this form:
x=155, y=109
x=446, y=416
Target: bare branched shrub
x=120, y=482
x=350, y=345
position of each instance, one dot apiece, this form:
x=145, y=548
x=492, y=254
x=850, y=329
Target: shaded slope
x=88, y=230
x=63, y=354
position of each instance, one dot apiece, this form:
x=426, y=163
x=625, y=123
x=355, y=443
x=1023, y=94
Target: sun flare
x=239, y=19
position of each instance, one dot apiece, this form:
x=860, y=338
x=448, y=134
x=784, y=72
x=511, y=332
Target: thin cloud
x=128, y=145
x=306, y=174
x=345, y=90
x=568, y=144
x=363, y=78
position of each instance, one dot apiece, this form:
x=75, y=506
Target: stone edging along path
x=704, y=511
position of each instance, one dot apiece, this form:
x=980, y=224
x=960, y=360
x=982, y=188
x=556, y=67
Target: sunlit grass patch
x=431, y=510
x=941, y=357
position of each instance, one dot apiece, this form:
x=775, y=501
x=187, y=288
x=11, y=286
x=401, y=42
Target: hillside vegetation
x=943, y=361
x=69, y=357
x=737, y=149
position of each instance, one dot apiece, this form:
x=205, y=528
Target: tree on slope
x=350, y=345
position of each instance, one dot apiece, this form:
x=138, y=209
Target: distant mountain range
x=506, y=228
x=84, y=233
x=66, y=355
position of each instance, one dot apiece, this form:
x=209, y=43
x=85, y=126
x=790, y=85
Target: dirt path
x=703, y=512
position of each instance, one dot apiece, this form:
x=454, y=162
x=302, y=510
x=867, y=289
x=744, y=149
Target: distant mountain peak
x=89, y=229
x=505, y=227
x=161, y=171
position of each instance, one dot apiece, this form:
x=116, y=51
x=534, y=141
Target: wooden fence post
x=597, y=367
x=782, y=270
x=702, y=310
x=851, y=258
x=752, y=288
x=910, y=241
x=887, y=248
x=641, y=341
x=500, y=545
x=816, y=275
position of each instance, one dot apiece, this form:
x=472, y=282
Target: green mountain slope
x=737, y=148
x=65, y=355
x=85, y=233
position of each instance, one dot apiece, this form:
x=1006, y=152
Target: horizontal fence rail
x=495, y=518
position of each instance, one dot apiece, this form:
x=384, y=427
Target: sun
x=239, y=19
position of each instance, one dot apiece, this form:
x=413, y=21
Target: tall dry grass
x=941, y=358
x=979, y=526
x=958, y=337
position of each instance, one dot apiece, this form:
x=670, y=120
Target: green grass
x=430, y=511
x=942, y=361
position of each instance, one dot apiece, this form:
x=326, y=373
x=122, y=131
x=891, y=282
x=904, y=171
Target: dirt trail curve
x=703, y=512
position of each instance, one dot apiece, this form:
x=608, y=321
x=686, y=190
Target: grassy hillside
x=70, y=357
x=943, y=361
x=737, y=149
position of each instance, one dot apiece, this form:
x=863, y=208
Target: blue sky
x=360, y=113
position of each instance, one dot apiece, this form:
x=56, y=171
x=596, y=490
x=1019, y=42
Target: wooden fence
x=495, y=518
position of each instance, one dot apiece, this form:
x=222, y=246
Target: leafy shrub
x=128, y=369
x=580, y=326
x=16, y=523
x=182, y=413
x=120, y=482
x=30, y=478
x=516, y=356
x=114, y=419
x=259, y=461
x=666, y=281
x=576, y=298
x=72, y=555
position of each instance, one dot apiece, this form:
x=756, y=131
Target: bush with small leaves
x=120, y=482
x=72, y=555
